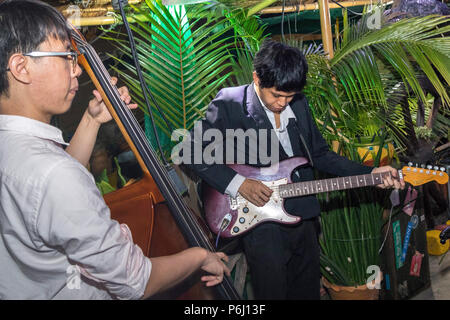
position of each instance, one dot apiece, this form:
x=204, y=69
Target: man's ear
x=255, y=78
x=19, y=68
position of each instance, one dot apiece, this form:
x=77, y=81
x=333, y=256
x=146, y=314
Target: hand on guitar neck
x=390, y=181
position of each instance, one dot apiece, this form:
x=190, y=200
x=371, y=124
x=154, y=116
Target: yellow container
x=434, y=245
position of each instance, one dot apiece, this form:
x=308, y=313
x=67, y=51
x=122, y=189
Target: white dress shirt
x=283, y=137
x=54, y=224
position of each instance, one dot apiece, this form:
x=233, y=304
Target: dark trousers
x=284, y=260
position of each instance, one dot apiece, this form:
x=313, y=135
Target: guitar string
x=295, y=193
x=313, y=183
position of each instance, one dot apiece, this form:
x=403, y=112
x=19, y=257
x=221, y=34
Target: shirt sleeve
x=74, y=218
x=234, y=185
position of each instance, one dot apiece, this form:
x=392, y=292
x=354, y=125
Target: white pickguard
x=249, y=215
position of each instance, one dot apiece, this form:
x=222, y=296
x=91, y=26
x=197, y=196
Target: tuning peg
x=417, y=165
x=422, y=166
x=436, y=168
x=410, y=164
x=429, y=167
x=443, y=169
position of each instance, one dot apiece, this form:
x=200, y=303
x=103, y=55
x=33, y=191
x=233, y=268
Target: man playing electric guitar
x=283, y=259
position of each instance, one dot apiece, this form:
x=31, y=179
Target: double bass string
x=130, y=121
x=186, y=221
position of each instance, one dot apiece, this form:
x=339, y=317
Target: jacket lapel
x=255, y=109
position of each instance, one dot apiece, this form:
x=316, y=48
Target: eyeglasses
x=72, y=55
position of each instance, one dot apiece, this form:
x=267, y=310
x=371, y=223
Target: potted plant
x=350, y=242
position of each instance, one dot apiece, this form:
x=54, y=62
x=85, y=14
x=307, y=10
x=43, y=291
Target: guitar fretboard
x=341, y=183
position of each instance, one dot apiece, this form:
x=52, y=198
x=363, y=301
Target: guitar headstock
x=421, y=175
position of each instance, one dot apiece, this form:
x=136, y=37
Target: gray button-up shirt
x=57, y=240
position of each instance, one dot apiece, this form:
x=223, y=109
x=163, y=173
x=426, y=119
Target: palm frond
x=184, y=61
x=397, y=42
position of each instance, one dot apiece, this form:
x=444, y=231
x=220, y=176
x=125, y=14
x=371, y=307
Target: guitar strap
x=305, y=147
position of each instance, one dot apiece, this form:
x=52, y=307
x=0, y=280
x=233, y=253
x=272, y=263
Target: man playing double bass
x=53, y=220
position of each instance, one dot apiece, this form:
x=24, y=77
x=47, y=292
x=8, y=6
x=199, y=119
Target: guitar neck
x=296, y=189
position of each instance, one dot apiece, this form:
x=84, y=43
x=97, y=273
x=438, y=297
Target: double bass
x=160, y=221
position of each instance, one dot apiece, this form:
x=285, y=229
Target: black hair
x=24, y=26
x=281, y=66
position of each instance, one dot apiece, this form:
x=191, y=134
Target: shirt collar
x=31, y=127
x=286, y=113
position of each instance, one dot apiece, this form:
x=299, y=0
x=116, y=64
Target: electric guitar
x=230, y=217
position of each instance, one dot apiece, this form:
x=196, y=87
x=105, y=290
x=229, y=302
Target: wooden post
x=325, y=25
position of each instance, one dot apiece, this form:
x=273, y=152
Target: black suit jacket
x=240, y=108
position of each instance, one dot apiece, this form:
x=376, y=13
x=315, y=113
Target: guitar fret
x=299, y=189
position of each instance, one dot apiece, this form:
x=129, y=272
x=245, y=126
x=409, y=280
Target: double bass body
x=141, y=206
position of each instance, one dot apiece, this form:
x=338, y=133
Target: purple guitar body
x=245, y=215
x=234, y=216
